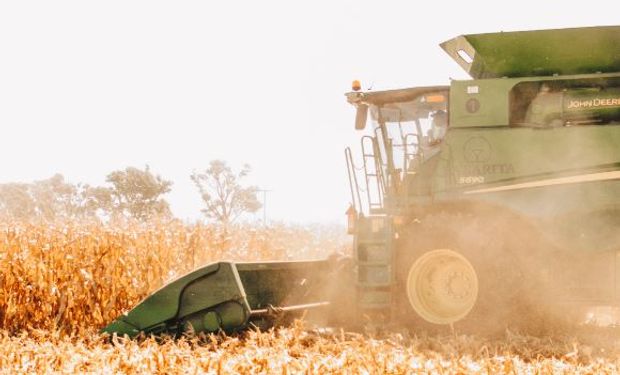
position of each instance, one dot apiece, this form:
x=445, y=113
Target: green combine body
x=476, y=200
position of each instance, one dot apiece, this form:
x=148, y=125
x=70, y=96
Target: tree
x=54, y=198
x=224, y=196
x=135, y=193
x=16, y=202
x=50, y=199
x=97, y=201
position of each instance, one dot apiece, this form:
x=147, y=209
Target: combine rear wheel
x=442, y=286
x=478, y=270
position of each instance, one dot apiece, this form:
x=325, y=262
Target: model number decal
x=468, y=180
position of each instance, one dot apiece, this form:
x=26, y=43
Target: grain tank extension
x=472, y=203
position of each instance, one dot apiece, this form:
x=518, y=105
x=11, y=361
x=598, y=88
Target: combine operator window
x=411, y=131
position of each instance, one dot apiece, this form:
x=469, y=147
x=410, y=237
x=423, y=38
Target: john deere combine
x=481, y=203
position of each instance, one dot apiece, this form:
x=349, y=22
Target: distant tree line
x=131, y=193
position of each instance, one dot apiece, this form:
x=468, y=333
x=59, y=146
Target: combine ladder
x=373, y=174
x=373, y=247
x=375, y=268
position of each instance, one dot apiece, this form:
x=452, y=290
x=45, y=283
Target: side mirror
x=361, y=116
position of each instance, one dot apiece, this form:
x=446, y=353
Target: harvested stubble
x=296, y=350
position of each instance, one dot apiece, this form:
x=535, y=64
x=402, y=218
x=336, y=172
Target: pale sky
x=90, y=87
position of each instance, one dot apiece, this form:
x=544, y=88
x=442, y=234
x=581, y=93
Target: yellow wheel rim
x=442, y=286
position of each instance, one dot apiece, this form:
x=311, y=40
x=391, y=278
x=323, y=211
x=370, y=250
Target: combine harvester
x=481, y=203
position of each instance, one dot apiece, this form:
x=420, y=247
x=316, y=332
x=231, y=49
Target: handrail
x=377, y=173
x=355, y=193
x=381, y=164
x=381, y=168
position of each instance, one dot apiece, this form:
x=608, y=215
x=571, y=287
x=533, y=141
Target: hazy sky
x=90, y=87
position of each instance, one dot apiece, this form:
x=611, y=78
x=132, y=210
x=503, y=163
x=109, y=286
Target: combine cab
x=486, y=203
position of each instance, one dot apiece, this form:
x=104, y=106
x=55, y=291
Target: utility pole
x=264, y=204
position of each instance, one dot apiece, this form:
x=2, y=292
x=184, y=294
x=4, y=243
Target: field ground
x=60, y=284
x=295, y=350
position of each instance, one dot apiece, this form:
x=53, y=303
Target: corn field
x=60, y=284
x=74, y=277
